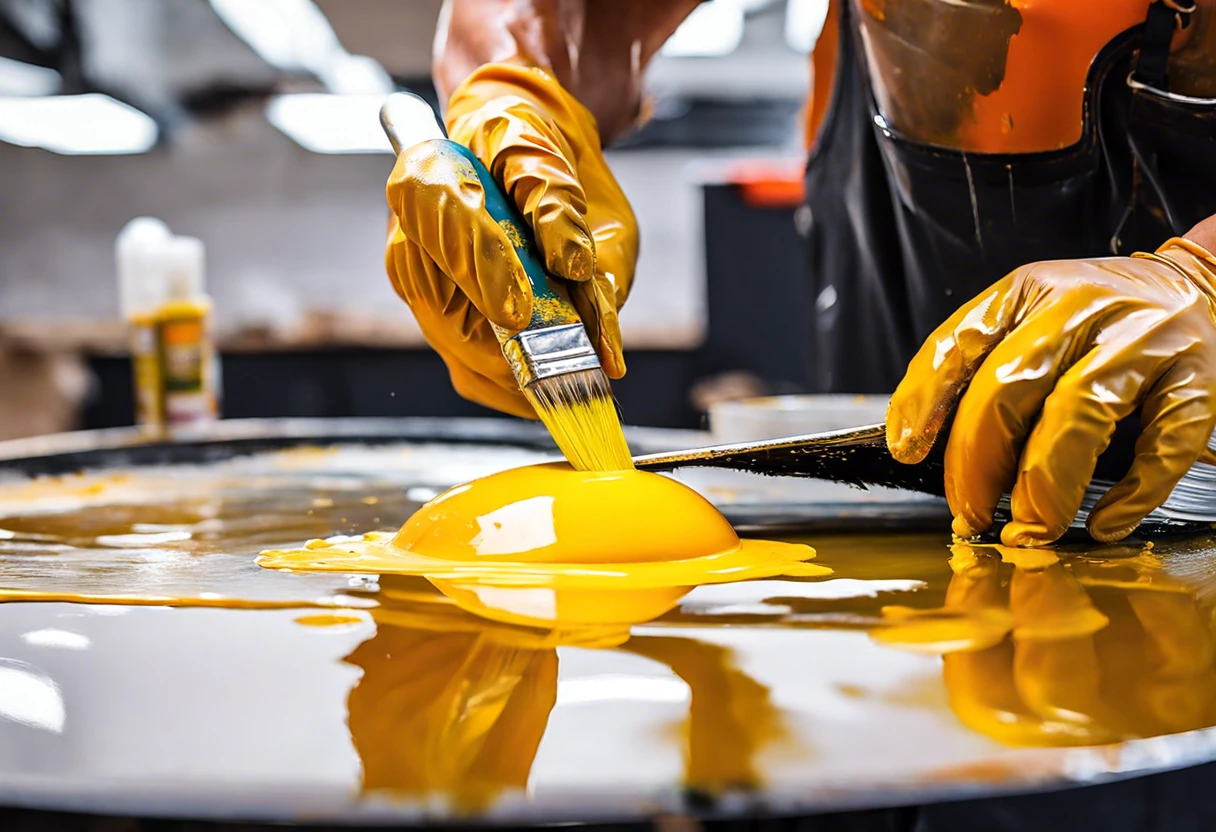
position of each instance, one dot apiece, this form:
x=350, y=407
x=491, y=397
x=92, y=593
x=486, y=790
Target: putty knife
x=856, y=456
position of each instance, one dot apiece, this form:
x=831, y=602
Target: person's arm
x=596, y=49
x=1204, y=234
x=534, y=90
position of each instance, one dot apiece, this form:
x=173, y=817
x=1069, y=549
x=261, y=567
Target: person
x=1057, y=152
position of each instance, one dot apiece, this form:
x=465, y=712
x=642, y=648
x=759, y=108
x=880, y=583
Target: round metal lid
x=171, y=677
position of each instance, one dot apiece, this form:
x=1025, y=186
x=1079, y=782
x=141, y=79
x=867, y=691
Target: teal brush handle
x=554, y=343
x=548, y=307
x=408, y=121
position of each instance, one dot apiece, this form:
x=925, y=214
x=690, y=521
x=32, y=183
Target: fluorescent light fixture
x=90, y=124
x=18, y=78
x=295, y=36
x=326, y=123
x=712, y=30
x=803, y=23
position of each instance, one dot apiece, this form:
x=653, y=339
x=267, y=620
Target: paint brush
x=552, y=358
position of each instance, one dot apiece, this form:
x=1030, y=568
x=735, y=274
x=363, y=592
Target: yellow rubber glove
x=453, y=264
x=1042, y=365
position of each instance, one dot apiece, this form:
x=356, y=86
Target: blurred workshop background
x=251, y=124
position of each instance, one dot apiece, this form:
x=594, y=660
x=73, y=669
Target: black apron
x=902, y=233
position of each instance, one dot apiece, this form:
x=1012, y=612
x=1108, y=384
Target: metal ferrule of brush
x=535, y=354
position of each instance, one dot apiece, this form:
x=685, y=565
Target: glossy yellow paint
x=545, y=544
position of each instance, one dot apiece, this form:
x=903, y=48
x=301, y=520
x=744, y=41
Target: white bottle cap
x=135, y=295
x=177, y=266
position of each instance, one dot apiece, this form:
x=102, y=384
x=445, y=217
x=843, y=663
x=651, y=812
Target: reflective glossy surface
x=916, y=669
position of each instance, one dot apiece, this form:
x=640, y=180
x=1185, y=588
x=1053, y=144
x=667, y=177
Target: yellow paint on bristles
x=579, y=411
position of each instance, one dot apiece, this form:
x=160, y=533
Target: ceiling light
x=90, y=124
x=330, y=123
x=18, y=78
x=712, y=30
x=295, y=36
x=803, y=23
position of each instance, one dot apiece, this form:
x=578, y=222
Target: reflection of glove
x=1133, y=660
x=1077, y=345
x=454, y=265
x=731, y=717
x=446, y=713
x=1044, y=686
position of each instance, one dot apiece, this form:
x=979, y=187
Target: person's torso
x=965, y=139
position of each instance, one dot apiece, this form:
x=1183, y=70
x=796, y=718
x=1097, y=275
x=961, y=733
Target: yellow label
x=145, y=369
x=173, y=362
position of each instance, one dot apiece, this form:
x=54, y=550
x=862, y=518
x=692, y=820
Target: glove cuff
x=1191, y=260
x=490, y=83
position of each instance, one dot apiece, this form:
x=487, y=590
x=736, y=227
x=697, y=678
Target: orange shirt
x=1038, y=103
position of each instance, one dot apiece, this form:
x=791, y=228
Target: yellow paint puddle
x=545, y=544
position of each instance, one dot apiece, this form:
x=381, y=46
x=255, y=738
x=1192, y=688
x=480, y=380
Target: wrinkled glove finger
x=1075, y=427
x=943, y=366
x=487, y=392
x=1177, y=421
x=475, y=362
x=596, y=307
x=533, y=161
x=615, y=229
x=440, y=206
x=454, y=328
x=994, y=416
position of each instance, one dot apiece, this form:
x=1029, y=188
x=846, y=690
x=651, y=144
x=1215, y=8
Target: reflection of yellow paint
x=1021, y=557
x=549, y=544
x=452, y=706
x=148, y=600
x=327, y=620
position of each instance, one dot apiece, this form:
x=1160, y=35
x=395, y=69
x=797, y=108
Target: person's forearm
x=596, y=48
x=1204, y=234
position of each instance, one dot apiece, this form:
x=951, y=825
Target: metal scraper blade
x=856, y=456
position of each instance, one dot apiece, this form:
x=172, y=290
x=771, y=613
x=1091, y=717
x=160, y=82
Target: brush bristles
x=579, y=412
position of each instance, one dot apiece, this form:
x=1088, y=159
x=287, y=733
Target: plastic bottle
x=161, y=290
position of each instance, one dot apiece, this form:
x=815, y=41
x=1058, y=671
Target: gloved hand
x=1042, y=365
x=453, y=264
